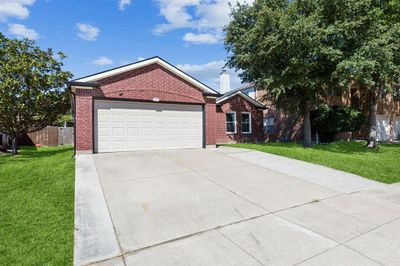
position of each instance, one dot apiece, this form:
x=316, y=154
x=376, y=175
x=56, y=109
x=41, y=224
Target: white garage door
x=127, y=126
x=384, y=130
x=396, y=128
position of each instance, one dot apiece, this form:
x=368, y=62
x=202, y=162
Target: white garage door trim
x=129, y=126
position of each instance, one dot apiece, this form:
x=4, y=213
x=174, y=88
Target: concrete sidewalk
x=229, y=207
x=317, y=174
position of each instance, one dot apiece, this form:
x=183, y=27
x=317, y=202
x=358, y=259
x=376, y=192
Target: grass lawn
x=37, y=207
x=382, y=164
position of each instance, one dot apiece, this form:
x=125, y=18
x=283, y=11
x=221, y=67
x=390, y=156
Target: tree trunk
x=373, y=108
x=307, y=130
x=14, y=145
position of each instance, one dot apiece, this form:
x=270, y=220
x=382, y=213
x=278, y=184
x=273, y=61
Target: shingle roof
x=239, y=91
x=241, y=88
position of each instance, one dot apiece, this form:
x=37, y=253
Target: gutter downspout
x=73, y=109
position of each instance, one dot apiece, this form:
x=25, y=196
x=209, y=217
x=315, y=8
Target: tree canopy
x=32, y=87
x=298, y=50
x=280, y=46
x=367, y=34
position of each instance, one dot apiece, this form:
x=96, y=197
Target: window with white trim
x=231, y=122
x=269, y=125
x=246, y=123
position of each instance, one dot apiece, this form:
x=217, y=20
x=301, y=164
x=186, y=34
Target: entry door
x=128, y=126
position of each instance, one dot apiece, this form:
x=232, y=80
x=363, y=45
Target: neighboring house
x=283, y=127
x=151, y=104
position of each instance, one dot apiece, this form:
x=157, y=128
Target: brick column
x=84, y=123
x=211, y=114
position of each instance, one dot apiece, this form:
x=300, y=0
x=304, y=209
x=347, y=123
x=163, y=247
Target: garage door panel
x=133, y=132
x=147, y=144
x=147, y=118
x=160, y=131
x=124, y=126
x=172, y=131
x=170, y=119
x=104, y=145
x=104, y=131
x=120, y=118
x=195, y=132
x=118, y=132
x=159, y=119
x=133, y=144
x=134, y=118
x=185, y=131
x=147, y=131
x=118, y=145
x=103, y=118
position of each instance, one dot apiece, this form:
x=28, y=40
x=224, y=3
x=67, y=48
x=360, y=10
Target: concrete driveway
x=229, y=207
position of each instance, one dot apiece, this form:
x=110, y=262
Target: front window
x=231, y=122
x=246, y=123
x=269, y=125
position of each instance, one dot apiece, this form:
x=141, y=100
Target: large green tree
x=281, y=47
x=366, y=34
x=32, y=87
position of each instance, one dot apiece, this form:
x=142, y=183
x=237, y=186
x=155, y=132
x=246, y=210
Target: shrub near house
x=329, y=121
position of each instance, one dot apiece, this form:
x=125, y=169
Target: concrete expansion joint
x=343, y=243
x=372, y=229
x=316, y=255
x=104, y=260
x=362, y=253
x=233, y=242
x=130, y=252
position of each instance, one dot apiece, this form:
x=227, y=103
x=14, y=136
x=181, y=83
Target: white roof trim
x=240, y=93
x=146, y=62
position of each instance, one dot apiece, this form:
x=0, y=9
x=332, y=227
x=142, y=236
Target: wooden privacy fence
x=65, y=135
x=50, y=136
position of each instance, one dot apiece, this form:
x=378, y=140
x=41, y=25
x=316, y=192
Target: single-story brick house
x=151, y=104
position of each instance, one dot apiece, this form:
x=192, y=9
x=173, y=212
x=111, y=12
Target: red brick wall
x=146, y=83
x=83, y=121
x=211, y=120
x=239, y=105
x=287, y=127
x=149, y=82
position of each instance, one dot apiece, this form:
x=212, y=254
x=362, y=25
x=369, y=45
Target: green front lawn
x=382, y=164
x=37, y=207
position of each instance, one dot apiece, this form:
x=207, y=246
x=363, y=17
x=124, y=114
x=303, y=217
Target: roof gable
x=154, y=60
x=244, y=96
